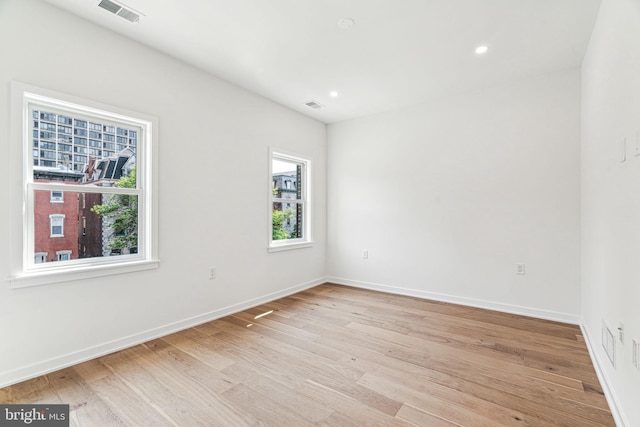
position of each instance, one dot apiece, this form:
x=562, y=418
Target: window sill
x=289, y=246
x=38, y=278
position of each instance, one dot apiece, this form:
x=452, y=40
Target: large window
x=289, y=201
x=83, y=208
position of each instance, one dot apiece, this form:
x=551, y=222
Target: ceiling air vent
x=120, y=10
x=314, y=105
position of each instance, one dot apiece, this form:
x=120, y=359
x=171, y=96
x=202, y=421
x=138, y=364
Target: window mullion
x=278, y=200
x=72, y=188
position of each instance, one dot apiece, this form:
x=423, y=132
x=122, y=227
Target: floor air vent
x=120, y=10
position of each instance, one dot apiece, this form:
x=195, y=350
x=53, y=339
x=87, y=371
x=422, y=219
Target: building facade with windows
x=62, y=140
x=55, y=217
x=65, y=226
x=99, y=232
x=285, y=186
x=76, y=150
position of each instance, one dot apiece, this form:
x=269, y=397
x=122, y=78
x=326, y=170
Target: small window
x=63, y=255
x=57, y=196
x=40, y=257
x=57, y=225
x=289, y=201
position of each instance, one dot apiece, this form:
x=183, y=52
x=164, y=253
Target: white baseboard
x=41, y=368
x=609, y=393
x=489, y=305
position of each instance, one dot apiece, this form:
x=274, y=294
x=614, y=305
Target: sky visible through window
x=281, y=166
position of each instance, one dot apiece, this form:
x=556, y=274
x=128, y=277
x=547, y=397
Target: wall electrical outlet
x=520, y=269
x=365, y=254
x=212, y=273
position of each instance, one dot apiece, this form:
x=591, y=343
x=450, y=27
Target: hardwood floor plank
x=440, y=400
x=266, y=410
x=339, y=356
x=175, y=404
x=181, y=365
x=348, y=410
x=106, y=400
x=188, y=343
x=306, y=407
x=37, y=390
x=422, y=418
x=510, y=363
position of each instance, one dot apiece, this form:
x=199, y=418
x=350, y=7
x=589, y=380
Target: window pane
x=70, y=134
x=287, y=177
x=286, y=221
x=117, y=170
x=90, y=225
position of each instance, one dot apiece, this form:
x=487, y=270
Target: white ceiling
x=398, y=53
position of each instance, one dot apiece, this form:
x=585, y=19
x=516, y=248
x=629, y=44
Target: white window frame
x=63, y=253
x=42, y=256
x=56, y=220
x=24, y=271
x=56, y=199
x=306, y=202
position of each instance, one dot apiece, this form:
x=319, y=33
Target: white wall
x=213, y=201
x=611, y=193
x=447, y=197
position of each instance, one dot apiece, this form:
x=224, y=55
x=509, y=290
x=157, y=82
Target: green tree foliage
x=278, y=218
x=123, y=210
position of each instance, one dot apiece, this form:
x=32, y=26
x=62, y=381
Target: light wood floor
x=339, y=356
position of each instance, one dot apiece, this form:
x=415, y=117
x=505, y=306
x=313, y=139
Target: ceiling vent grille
x=313, y=104
x=119, y=10
x=129, y=15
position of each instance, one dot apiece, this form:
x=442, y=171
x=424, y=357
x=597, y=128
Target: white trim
x=57, y=199
x=42, y=255
x=72, y=188
x=65, y=252
x=56, y=218
x=289, y=245
x=68, y=274
x=41, y=368
x=609, y=392
x=470, y=302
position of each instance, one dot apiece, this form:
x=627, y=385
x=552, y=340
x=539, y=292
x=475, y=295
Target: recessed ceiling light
x=333, y=94
x=480, y=50
x=346, y=23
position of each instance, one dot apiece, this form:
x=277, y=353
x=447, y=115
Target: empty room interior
x=236, y=212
